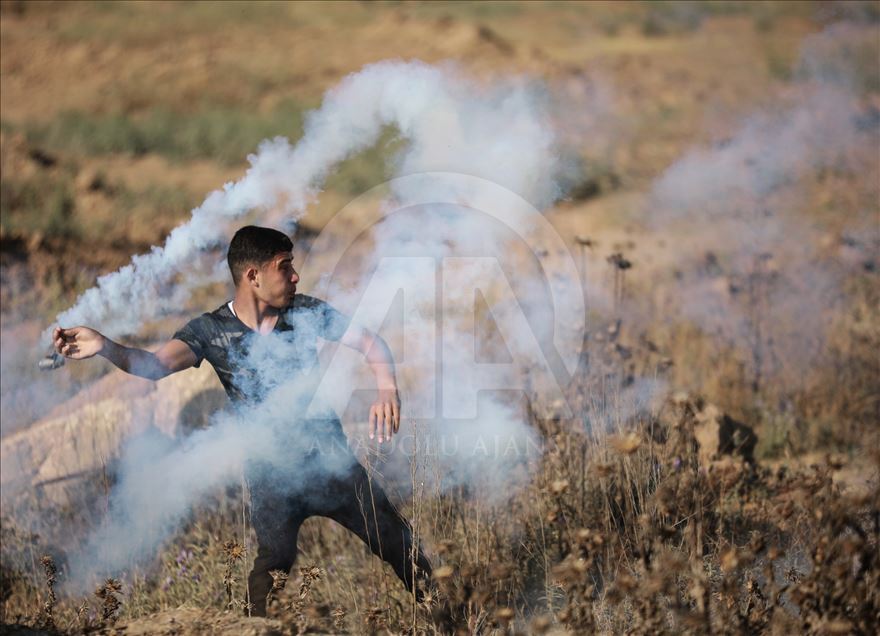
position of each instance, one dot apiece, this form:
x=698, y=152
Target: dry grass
x=628, y=530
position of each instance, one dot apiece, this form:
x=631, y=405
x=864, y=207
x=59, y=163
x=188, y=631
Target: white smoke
x=160, y=480
x=480, y=160
x=450, y=123
x=756, y=277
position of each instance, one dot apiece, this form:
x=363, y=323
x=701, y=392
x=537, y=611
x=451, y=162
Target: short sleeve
x=328, y=323
x=192, y=334
x=334, y=322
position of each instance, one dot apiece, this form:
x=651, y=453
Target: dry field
x=718, y=472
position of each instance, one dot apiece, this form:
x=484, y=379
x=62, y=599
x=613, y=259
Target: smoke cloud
x=756, y=278
x=480, y=160
x=451, y=124
x=479, y=163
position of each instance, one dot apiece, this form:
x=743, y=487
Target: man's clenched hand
x=385, y=415
x=77, y=343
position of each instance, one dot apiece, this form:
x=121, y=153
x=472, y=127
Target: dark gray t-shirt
x=249, y=364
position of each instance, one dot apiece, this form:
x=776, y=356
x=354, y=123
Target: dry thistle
x=47, y=615
x=585, y=243
x=82, y=616
x=620, y=265
x=309, y=575
x=619, y=261
x=279, y=580
x=338, y=615
x=374, y=617
x=234, y=552
x=107, y=594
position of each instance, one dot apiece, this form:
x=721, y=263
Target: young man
x=268, y=331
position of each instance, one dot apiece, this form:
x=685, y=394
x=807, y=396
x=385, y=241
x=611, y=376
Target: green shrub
x=38, y=205
x=225, y=135
x=219, y=134
x=672, y=18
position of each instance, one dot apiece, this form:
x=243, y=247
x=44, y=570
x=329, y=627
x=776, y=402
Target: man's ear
x=250, y=275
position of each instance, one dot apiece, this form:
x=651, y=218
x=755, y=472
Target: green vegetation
x=475, y=11
x=160, y=201
x=40, y=205
x=671, y=18
x=47, y=206
x=225, y=135
x=123, y=21
x=365, y=170
x=850, y=61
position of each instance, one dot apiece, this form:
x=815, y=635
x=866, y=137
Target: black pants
x=326, y=481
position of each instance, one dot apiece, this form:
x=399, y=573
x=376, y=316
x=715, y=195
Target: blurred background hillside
x=117, y=118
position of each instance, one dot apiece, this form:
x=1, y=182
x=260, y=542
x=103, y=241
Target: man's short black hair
x=254, y=245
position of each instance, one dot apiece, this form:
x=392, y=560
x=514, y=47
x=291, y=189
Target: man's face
x=278, y=281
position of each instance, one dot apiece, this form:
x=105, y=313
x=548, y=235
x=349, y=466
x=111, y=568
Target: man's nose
x=294, y=278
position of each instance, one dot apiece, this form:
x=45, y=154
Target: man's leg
x=361, y=506
x=276, y=521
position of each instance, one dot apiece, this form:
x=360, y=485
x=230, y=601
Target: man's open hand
x=385, y=415
x=77, y=343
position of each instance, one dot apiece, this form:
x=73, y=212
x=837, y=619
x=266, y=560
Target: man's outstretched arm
x=385, y=411
x=79, y=343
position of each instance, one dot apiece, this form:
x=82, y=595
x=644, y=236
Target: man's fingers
x=378, y=425
x=73, y=333
x=383, y=422
x=384, y=419
x=389, y=423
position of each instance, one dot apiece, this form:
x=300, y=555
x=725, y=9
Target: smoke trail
x=430, y=106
